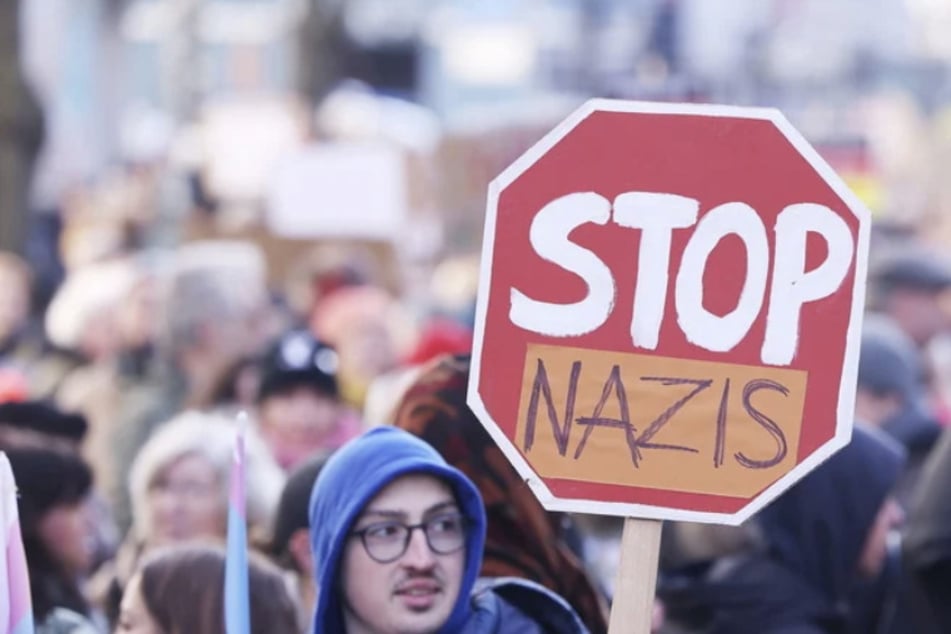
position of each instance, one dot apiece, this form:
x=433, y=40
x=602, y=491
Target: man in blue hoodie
x=397, y=536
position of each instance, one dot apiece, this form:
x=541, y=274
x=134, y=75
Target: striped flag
x=237, y=604
x=16, y=610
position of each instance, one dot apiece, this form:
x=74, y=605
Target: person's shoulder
x=63, y=621
x=798, y=628
x=510, y=605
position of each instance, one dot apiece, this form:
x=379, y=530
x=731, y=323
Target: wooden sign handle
x=633, y=605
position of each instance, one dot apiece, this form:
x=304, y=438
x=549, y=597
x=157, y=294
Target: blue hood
x=350, y=479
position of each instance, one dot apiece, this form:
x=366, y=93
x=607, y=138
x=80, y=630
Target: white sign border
x=846, y=402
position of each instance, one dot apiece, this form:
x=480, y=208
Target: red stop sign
x=669, y=308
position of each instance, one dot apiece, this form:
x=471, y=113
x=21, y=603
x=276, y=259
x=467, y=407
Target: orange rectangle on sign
x=658, y=422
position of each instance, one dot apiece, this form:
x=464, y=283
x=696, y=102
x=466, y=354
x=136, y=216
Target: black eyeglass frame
x=464, y=523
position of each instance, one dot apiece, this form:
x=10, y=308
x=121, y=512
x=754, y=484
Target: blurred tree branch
x=324, y=48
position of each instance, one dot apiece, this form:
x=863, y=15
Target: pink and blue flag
x=237, y=604
x=16, y=610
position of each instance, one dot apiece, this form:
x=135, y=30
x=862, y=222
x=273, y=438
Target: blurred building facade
x=478, y=65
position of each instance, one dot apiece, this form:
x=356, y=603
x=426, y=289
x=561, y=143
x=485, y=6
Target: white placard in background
x=339, y=190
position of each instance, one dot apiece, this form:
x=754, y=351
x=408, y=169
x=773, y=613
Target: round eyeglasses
x=386, y=542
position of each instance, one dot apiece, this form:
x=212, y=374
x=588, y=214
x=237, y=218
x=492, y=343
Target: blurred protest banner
x=243, y=141
x=476, y=146
x=339, y=190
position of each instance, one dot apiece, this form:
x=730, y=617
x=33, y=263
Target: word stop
x=657, y=216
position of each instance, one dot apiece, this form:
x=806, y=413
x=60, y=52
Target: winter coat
x=63, y=621
x=801, y=580
x=927, y=542
x=509, y=605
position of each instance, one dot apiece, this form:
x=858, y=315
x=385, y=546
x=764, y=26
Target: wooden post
x=633, y=605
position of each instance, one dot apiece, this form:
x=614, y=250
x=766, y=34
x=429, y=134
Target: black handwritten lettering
x=540, y=386
x=766, y=423
x=667, y=414
x=721, y=427
x=614, y=388
x=635, y=443
x=614, y=384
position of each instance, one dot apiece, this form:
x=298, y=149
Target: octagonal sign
x=669, y=311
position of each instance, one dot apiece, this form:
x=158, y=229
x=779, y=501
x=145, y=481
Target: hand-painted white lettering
x=549, y=237
x=792, y=285
x=656, y=215
x=700, y=326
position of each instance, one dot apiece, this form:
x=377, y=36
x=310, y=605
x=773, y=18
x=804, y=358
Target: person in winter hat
x=53, y=487
x=300, y=409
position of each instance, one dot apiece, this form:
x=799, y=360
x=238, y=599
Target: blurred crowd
x=133, y=336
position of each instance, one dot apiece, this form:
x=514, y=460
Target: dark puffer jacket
x=801, y=581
